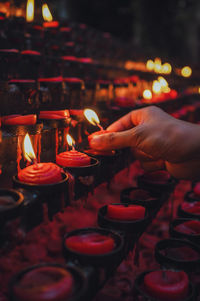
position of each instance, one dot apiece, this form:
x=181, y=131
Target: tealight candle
x=125, y=213
x=191, y=208
x=44, y=283
x=167, y=285
x=191, y=227
x=72, y=158
x=90, y=243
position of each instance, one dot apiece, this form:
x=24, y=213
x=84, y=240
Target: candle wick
x=73, y=147
x=99, y=126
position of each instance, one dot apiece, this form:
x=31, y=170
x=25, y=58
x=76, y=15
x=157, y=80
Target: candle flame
x=166, y=68
x=28, y=149
x=162, y=81
x=150, y=65
x=147, y=94
x=70, y=140
x=91, y=117
x=46, y=13
x=186, y=71
x=30, y=11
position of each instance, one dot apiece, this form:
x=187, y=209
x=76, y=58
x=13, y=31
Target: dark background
x=166, y=28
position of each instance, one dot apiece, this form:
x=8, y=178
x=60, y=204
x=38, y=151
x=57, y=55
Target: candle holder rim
x=17, y=203
x=140, y=278
x=73, y=270
x=179, y=221
x=182, y=212
x=95, y=164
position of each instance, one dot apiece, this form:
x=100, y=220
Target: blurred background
x=169, y=29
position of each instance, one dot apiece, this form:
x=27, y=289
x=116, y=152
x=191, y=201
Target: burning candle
x=167, y=285
x=30, y=11
x=19, y=119
x=48, y=18
x=72, y=158
x=125, y=212
x=44, y=283
x=90, y=243
x=38, y=173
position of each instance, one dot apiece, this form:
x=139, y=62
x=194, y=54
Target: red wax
x=196, y=189
x=73, y=158
x=157, y=177
x=19, y=119
x=44, y=284
x=189, y=227
x=139, y=194
x=31, y=52
x=125, y=213
x=52, y=24
x=167, y=285
x=54, y=114
x=100, y=152
x=193, y=208
x=57, y=79
x=70, y=58
x=90, y=137
x=41, y=173
x=91, y=243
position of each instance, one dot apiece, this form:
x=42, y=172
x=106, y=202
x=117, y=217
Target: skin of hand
x=158, y=140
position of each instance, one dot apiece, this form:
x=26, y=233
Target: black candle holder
x=30, y=62
x=135, y=195
x=195, y=238
x=185, y=214
x=55, y=195
x=84, y=177
x=191, y=197
x=157, y=185
x=79, y=291
x=9, y=63
x=22, y=130
x=100, y=260
x=10, y=208
x=143, y=296
x=172, y=261
x=74, y=90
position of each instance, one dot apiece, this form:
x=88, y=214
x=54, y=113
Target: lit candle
x=38, y=173
x=49, y=23
x=90, y=243
x=72, y=158
x=125, y=212
x=44, y=283
x=167, y=285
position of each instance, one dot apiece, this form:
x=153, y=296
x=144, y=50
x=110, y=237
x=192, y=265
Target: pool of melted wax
x=44, y=243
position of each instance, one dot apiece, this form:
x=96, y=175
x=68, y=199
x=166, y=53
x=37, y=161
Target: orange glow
x=70, y=140
x=147, y=94
x=150, y=65
x=186, y=71
x=91, y=116
x=30, y=11
x=156, y=87
x=47, y=16
x=28, y=149
x=157, y=65
x=162, y=81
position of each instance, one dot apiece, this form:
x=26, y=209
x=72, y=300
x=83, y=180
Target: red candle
x=183, y=253
x=193, y=208
x=189, y=227
x=19, y=119
x=52, y=24
x=125, y=212
x=44, y=284
x=91, y=243
x=54, y=114
x=41, y=174
x=73, y=158
x=167, y=285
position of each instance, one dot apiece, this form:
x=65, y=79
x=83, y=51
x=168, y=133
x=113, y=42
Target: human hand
x=158, y=140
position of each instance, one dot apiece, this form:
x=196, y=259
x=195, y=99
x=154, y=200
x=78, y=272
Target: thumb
x=114, y=140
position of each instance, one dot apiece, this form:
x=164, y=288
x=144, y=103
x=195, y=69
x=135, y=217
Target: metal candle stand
x=55, y=195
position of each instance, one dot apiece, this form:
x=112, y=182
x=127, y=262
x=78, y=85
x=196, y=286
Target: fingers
x=141, y=156
x=113, y=140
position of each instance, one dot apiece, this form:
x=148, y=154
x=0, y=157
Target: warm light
x=156, y=87
x=30, y=11
x=166, y=68
x=162, y=81
x=70, y=140
x=46, y=13
x=157, y=65
x=28, y=149
x=150, y=65
x=91, y=116
x=147, y=94
x=186, y=71
x=166, y=89
x=199, y=90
